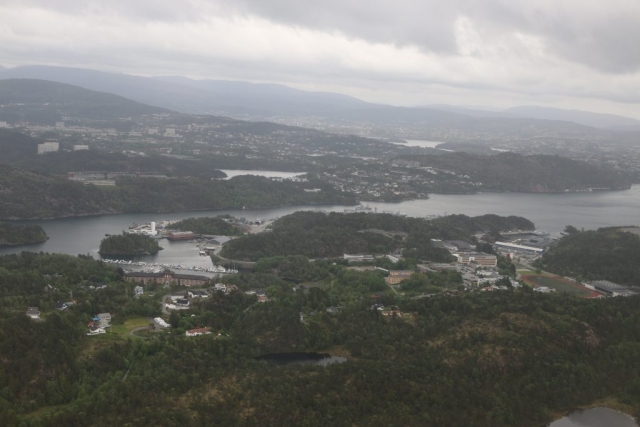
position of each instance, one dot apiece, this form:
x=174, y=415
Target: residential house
x=33, y=312
x=183, y=302
x=104, y=319
x=60, y=306
x=138, y=290
x=197, y=293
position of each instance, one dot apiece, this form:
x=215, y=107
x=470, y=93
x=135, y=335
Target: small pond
x=302, y=358
x=595, y=417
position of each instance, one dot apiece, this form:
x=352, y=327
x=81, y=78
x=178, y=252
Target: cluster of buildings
x=99, y=324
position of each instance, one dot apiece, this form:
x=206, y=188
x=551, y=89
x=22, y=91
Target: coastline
x=356, y=203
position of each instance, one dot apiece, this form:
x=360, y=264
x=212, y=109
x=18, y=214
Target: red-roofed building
x=198, y=331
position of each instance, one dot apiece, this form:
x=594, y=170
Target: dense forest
x=528, y=174
x=511, y=358
x=32, y=195
x=13, y=235
x=207, y=225
x=129, y=245
x=607, y=253
x=320, y=235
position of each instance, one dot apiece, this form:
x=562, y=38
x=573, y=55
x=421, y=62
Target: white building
x=4, y=125
x=80, y=147
x=152, y=131
x=198, y=331
x=170, y=132
x=33, y=312
x=138, y=290
x=518, y=248
x=160, y=322
x=48, y=147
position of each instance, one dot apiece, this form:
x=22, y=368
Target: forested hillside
x=206, y=225
x=607, y=253
x=43, y=101
x=31, y=195
x=529, y=174
x=320, y=235
x=511, y=358
x=13, y=235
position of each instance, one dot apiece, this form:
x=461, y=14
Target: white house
x=33, y=312
x=138, y=290
x=196, y=293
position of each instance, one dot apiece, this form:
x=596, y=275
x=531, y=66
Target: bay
x=550, y=212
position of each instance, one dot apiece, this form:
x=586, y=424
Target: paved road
x=164, y=303
x=139, y=328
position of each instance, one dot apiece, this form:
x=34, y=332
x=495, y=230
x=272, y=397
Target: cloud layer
x=565, y=53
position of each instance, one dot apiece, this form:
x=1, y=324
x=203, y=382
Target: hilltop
x=528, y=174
x=607, y=253
x=31, y=195
x=47, y=102
x=15, y=235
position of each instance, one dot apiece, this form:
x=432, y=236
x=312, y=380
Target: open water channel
x=550, y=212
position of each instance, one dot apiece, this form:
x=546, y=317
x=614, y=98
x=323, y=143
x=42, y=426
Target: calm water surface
x=549, y=212
x=596, y=417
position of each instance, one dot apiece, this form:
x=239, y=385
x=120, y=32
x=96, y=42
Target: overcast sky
x=582, y=54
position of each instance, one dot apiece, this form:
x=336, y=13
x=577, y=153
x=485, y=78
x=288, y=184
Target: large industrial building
x=167, y=277
x=612, y=289
x=397, y=276
x=519, y=248
x=48, y=147
x=479, y=258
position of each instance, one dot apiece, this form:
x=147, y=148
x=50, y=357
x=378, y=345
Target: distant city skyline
x=563, y=54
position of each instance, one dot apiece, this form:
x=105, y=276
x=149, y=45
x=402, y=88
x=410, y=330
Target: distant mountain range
x=259, y=101
x=586, y=118
x=47, y=102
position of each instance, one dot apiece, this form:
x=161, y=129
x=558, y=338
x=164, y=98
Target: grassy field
x=559, y=284
x=128, y=325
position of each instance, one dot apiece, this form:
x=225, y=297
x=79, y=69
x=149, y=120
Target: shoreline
x=96, y=214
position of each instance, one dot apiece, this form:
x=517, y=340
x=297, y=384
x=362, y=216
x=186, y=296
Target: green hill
x=20, y=151
x=46, y=102
x=320, y=235
x=528, y=174
x=607, y=253
x=128, y=245
x=30, y=195
x=14, y=235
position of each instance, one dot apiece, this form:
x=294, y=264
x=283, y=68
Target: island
x=128, y=245
x=16, y=235
x=217, y=225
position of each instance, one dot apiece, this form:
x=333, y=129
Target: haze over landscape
x=319, y=213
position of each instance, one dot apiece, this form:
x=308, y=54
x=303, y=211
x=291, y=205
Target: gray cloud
x=566, y=52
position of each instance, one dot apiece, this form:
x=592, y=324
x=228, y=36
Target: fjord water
x=596, y=417
x=549, y=212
